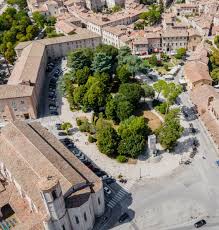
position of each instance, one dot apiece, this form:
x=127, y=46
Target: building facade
x=49, y=182
x=21, y=97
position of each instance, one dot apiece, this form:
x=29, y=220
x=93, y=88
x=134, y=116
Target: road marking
x=118, y=197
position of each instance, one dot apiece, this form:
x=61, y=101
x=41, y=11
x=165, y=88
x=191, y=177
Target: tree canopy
x=153, y=15
x=107, y=140
x=15, y=26
x=171, y=130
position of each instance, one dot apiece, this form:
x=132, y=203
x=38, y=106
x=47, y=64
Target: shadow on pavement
x=184, y=146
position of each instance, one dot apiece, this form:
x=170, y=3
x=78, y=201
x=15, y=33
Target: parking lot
x=50, y=111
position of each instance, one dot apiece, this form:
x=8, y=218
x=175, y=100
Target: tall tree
x=123, y=74
x=171, y=130
x=131, y=92
x=102, y=63
x=124, y=52
x=79, y=59
x=159, y=86
x=107, y=141
x=134, y=64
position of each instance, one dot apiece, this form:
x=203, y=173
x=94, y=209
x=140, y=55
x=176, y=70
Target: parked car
x=87, y=162
x=52, y=107
x=123, y=217
x=200, y=223
x=107, y=190
x=62, y=134
x=100, y=173
x=58, y=126
x=54, y=113
x=110, y=180
x=57, y=71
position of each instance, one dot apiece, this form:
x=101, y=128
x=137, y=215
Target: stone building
x=42, y=184
x=196, y=70
x=20, y=98
x=173, y=39
x=206, y=100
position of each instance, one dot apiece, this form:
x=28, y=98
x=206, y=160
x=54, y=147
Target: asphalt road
x=178, y=201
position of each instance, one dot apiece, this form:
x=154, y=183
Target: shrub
x=166, y=67
x=79, y=121
x=161, y=108
x=121, y=159
x=91, y=139
x=85, y=127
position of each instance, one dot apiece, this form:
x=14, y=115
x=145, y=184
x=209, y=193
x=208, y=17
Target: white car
x=107, y=190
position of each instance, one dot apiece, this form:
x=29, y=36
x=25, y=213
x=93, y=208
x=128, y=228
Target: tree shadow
x=184, y=146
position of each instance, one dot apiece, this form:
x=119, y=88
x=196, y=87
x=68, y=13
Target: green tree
x=134, y=64
x=132, y=92
x=96, y=94
x=79, y=59
x=51, y=21
x=153, y=60
x=79, y=93
x=124, y=109
x=32, y=31
x=111, y=107
x=215, y=75
x=180, y=53
x=123, y=53
x=123, y=74
x=148, y=91
x=109, y=50
x=82, y=75
x=159, y=86
x=132, y=146
x=171, y=91
x=39, y=19
x=133, y=125
x=152, y=16
x=133, y=133
x=107, y=141
x=20, y=3
x=171, y=130
x=102, y=63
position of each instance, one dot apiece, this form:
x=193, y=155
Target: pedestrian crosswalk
x=117, y=198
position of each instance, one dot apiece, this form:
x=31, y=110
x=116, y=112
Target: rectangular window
x=85, y=216
x=98, y=200
x=77, y=220
x=63, y=227
x=22, y=102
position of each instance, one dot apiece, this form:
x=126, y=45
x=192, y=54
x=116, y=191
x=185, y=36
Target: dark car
x=67, y=140
x=62, y=134
x=54, y=113
x=110, y=180
x=200, y=223
x=95, y=170
x=58, y=126
x=100, y=173
x=87, y=162
x=123, y=217
x=195, y=143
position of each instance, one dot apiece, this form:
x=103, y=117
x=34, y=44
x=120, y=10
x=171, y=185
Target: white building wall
x=98, y=202
x=82, y=218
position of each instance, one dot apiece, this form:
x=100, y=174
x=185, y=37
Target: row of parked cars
x=83, y=158
x=52, y=96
